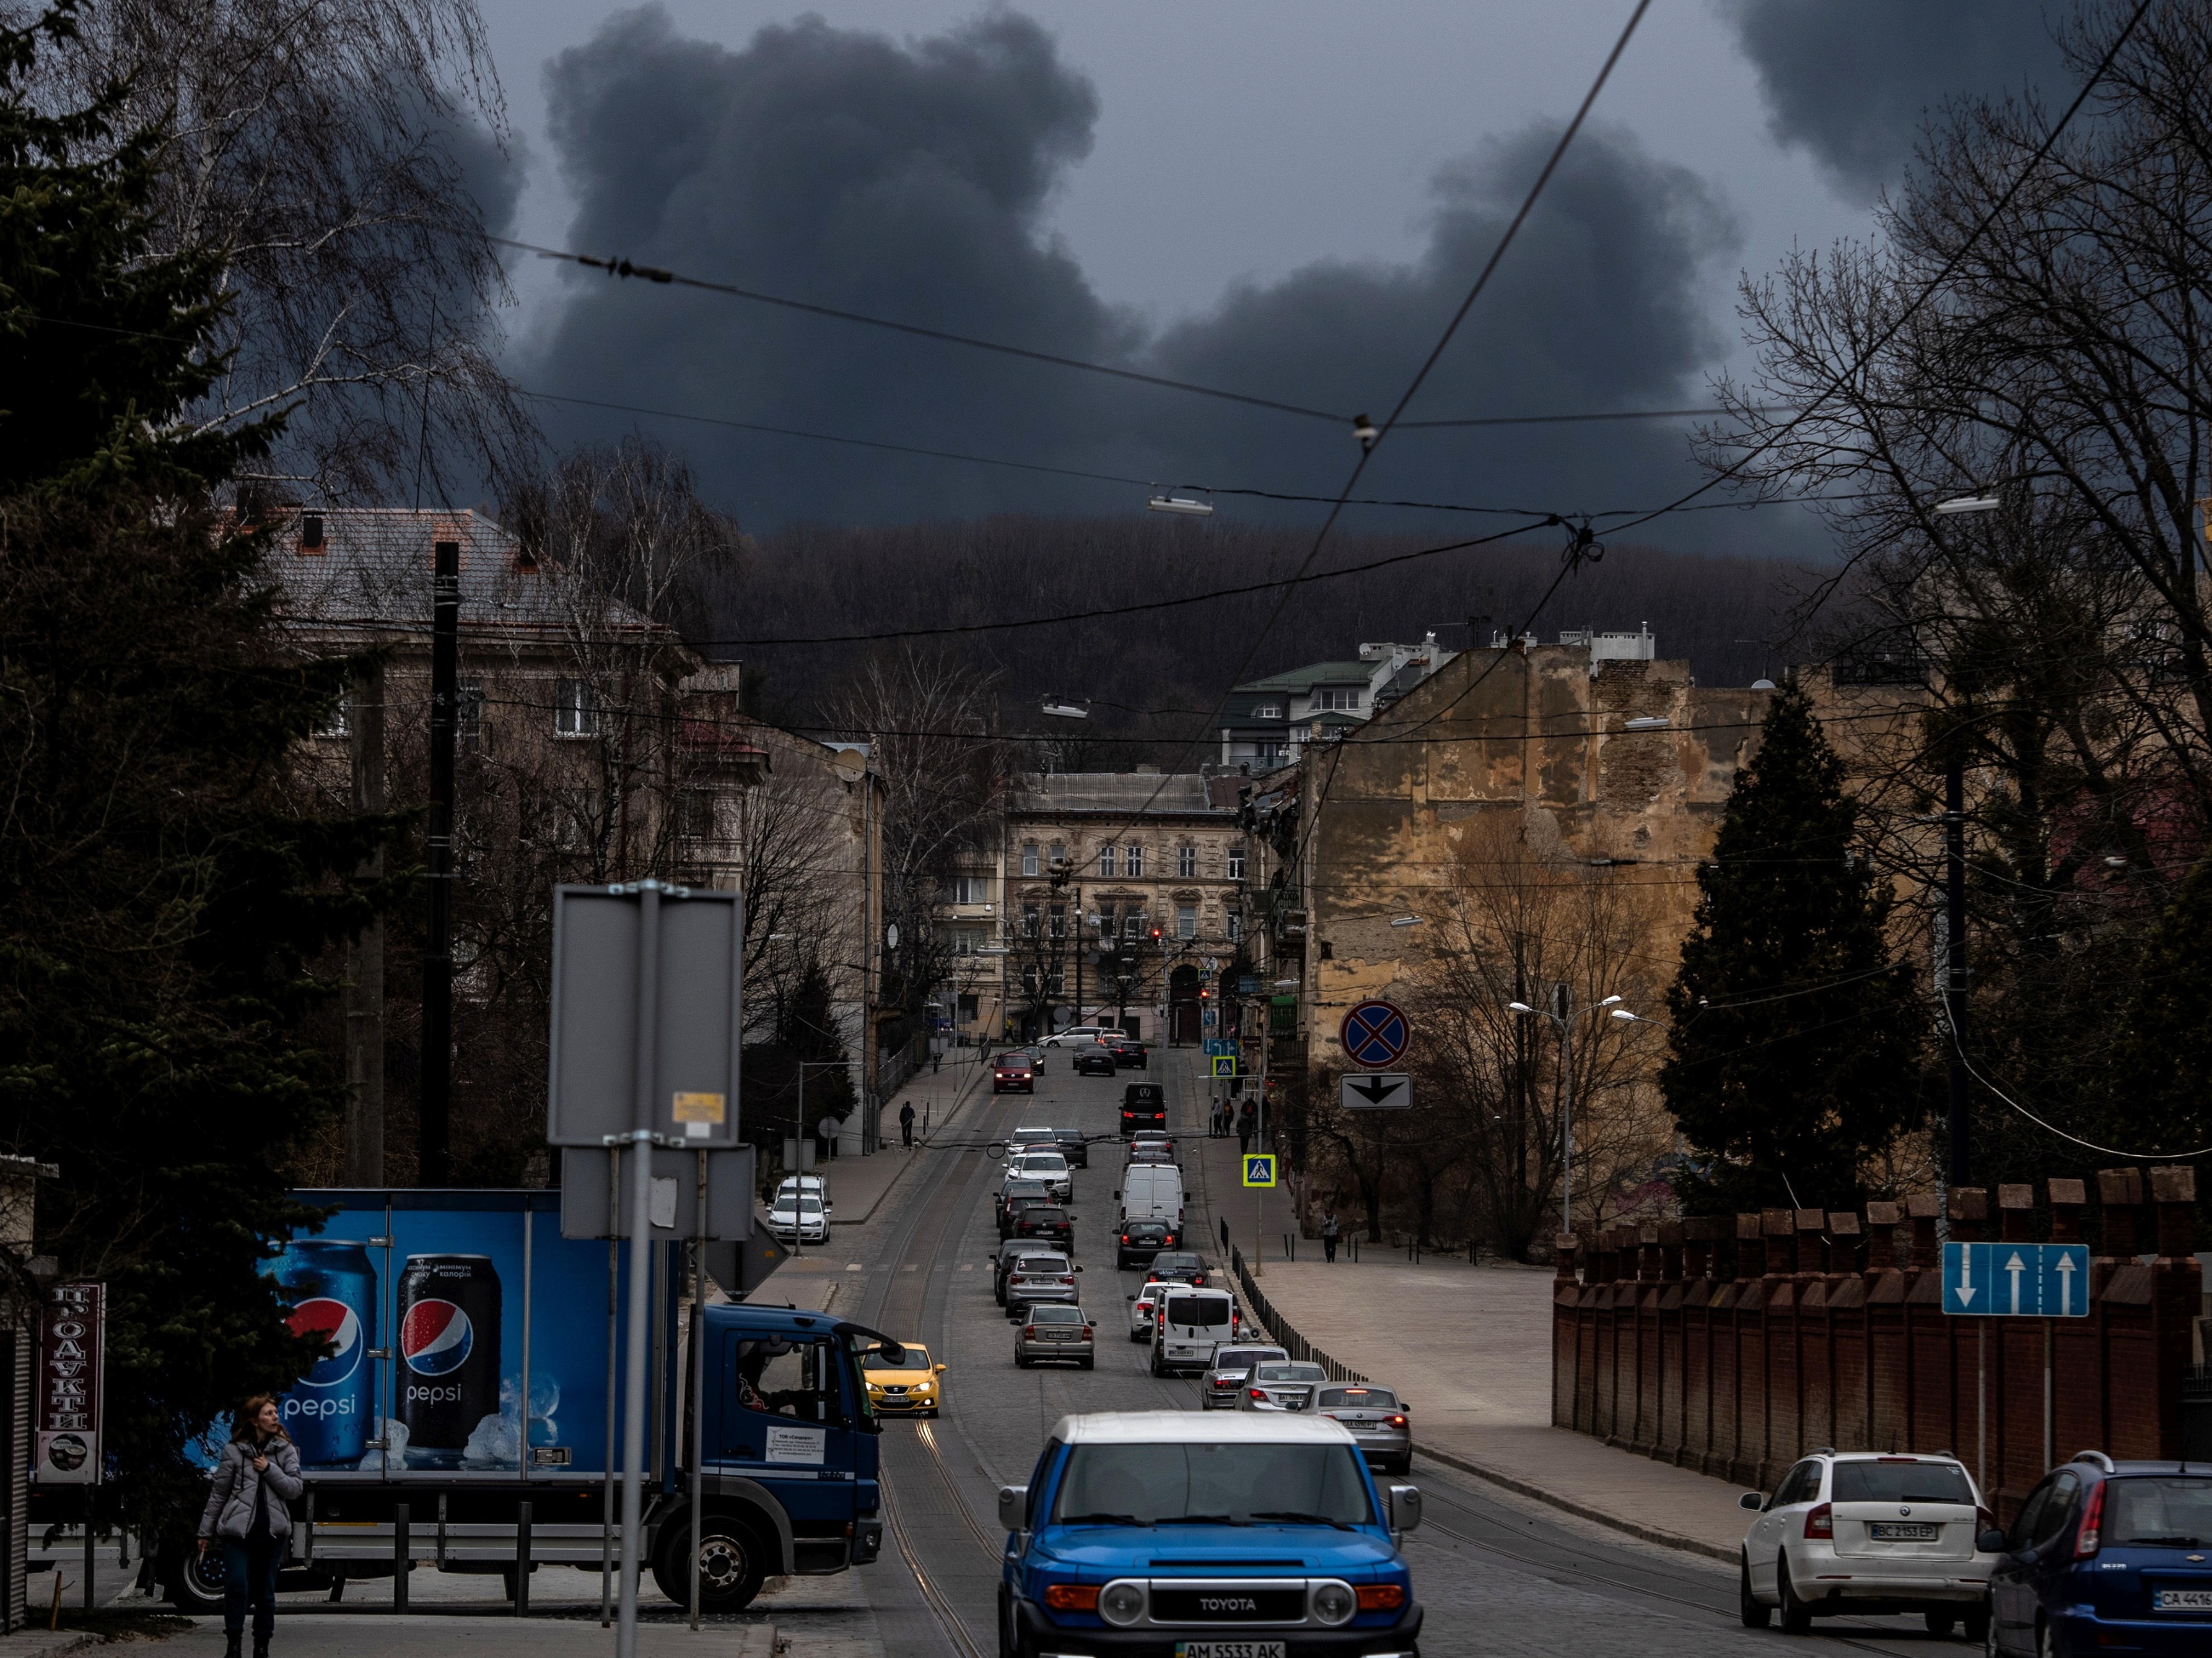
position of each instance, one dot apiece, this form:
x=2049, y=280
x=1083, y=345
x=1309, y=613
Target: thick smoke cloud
x=913, y=182
x=1852, y=81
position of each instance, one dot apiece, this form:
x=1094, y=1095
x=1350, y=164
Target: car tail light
x=1983, y=1521
x=1067, y=1280
x=1086, y=1333
x=1258, y=1392
x=1223, y=1381
x=2091, y=1537
x=1381, y=1597
x=1071, y=1597
x=1820, y=1521
x=1029, y=1333
x=1397, y=1421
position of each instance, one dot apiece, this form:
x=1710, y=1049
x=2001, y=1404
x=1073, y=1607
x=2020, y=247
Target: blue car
x=1158, y=1532
x=2107, y=1558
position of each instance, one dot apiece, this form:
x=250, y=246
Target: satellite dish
x=850, y=764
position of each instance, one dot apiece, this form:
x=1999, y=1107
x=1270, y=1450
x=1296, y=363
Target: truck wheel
x=732, y=1566
x=193, y=1582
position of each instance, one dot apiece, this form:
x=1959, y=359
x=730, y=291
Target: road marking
x=855, y=1267
x=911, y=1267
x=967, y=1266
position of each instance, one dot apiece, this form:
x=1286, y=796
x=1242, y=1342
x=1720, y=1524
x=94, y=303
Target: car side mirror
x=1013, y=1504
x=1130, y=1297
x=1117, y=1194
x=1078, y=1269
x=1405, y=1507
x=1991, y=1541
x=940, y=1369
x=1752, y=1501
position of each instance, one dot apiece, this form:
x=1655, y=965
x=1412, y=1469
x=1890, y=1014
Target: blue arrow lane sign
x=2016, y=1280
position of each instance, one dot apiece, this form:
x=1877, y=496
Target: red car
x=1011, y=1071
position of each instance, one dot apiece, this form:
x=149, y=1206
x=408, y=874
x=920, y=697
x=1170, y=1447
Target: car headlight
x=1334, y=1603
x=1121, y=1604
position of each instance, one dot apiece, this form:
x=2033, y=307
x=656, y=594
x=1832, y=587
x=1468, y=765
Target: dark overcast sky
x=1284, y=198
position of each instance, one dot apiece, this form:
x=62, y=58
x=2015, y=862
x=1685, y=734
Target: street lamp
x=1966, y=504
x=1406, y=920
x=1565, y=1023
x=1182, y=504
x=1060, y=710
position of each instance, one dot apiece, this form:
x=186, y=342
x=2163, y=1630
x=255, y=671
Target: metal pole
x=641, y=1264
x=91, y=1493
x=2049, y=1418
x=1566, y=1117
x=1959, y=1165
x=698, y=1384
x=607, y=1467
x=401, y=1557
x=434, y=1130
x=1982, y=1403
x=364, y=996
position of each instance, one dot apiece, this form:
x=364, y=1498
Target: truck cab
x=1157, y=1531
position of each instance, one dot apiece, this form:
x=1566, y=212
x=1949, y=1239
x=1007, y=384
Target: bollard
x=400, y=1562
x=522, y=1562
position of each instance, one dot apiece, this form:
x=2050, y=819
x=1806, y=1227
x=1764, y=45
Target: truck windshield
x=1224, y=1484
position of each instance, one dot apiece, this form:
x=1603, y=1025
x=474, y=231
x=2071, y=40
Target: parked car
x=910, y=1385
x=1144, y=1105
x=1144, y=1532
x=1188, y=1325
x=812, y=1185
x=1281, y=1385
x=1222, y=1385
x=1055, y=1331
x=1049, y=1167
x=1862, y=1532
x=1376, y=1417
x=1179, y=1267
x=1011, y=1071
x=2106, y=1557
x=1093, y=1062
x=799, y=1216
x=1129, y=1051
x=1040, y=1277
x=1047, y=1223
x=1140, y=1240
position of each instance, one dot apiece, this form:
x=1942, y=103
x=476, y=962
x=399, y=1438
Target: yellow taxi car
x=913, y=1387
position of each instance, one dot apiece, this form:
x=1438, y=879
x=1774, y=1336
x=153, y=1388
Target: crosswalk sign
x=1225, y=1065
x=1259, y=1168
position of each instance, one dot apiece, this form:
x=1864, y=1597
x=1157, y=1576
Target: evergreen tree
x=1795, y=1038
x=162, y=896
x=2159, y=1103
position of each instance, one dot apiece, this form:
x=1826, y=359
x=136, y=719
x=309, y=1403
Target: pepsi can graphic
x=331, y=1288
x=447, y=1377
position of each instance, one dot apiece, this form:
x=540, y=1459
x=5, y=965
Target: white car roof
x=1199, y=1428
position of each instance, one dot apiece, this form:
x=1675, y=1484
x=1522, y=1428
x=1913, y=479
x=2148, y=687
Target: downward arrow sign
x=1965, y=1291
x=1375, y=1089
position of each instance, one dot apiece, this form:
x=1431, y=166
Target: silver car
x=1285, y=1386
x=1376, y=1417
x=1056, y=1331
x=1220, y=1388
x=1044, y=1275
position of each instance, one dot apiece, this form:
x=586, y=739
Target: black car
x=1073, y=1146
x=1144, y=1105
x=1127, y=1050
x=1016, y=1196
x=1179, y=1267
x=1143, y=1240
x=1093, y=1060
x=1010, y=1251
x=1047, y=1223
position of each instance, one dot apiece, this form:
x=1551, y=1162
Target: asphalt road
x=1499, y=1576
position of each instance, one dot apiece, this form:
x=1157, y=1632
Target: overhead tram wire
x=1927, y=290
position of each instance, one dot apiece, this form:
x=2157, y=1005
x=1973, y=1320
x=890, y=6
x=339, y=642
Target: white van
x=1152, y=1191
x=1188, y=1324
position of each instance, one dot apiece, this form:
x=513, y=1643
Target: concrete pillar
x=2119, y=1195
x=2067, y=1198
x=2174, y=1190
x=1881, y=1219
x=1924, y=1207
x=1970, y=1214
x=1843, y=1241
x=2015, y=1213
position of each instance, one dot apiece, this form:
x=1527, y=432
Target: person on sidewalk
x=906, y=1123
x=247, y=1517
x=1328, y=1234
x=1247, y=1123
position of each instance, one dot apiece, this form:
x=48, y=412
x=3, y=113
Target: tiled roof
x=1314, y=673
x=376, y=568
x=1181, y=793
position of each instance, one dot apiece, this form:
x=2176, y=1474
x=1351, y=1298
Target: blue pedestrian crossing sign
x=1225, y=1065
x=2016, y=1280
x=1259, y=1168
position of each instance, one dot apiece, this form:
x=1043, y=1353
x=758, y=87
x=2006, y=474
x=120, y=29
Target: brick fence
x=1733, y=1346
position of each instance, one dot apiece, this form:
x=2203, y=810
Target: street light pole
x=1563, y=1015
x=1957, y=1164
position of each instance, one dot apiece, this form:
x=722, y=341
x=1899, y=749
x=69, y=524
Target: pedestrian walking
x=1247, y=1124
x=905, y=1123
x=247, y=1518
x=1328, y=1234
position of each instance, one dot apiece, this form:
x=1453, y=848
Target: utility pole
x=1563, y=1015
x=364, y=999
x=1959, y=1165
x=434, y=1134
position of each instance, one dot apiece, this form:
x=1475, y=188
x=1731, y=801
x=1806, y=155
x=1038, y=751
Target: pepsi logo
x=435, y=1338
x=337, y=1324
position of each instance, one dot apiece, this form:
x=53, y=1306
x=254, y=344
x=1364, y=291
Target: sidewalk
x=1470, y=1349
x=858, y=1184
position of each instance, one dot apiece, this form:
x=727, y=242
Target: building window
x=969, y=1010
x=1029, y=858
x=335, y=722
x=575, y=708
x=1133, y=862
x=1105, y=920
x=1133, y=923
x=1186, y=920
x=1056, y=983
x=1267, y=754
x=1336, y=697
x=697, y=822
x=1185, y=863
x=1056, y=920
x=1029, y=920
x=1058, y=858
x=1235, y=927
x=1106, y=861
x=971, y=889
x=1236, y=863
x=1269, y=711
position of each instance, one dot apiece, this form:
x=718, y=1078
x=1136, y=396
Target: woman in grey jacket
x=247, y=1517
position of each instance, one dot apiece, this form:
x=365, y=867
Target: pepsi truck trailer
x=466, y=1414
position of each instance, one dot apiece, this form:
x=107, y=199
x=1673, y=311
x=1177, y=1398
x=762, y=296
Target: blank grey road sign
x=1375, y=1091
x=673, y=1207
x=691, y=1019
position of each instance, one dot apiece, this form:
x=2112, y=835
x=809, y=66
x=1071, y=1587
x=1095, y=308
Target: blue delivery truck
x=466, y=1413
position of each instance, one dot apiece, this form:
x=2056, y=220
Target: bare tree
x=321, y=152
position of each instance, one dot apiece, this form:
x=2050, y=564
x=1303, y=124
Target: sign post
x=2016, y=1280
x=1260, y=1174
x=1378, y=1090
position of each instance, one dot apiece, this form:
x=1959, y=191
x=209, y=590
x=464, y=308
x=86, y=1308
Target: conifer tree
x=1795, y=1047
x=2159, y=1103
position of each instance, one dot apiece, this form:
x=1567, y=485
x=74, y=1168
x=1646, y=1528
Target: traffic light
x=1156, y=935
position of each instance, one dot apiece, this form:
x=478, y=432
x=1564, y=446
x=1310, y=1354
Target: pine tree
x=2159, y=1103
x=1795, y=1038
x=162, y=896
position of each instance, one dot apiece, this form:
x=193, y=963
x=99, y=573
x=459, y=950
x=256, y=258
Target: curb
x=1582, y=1510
